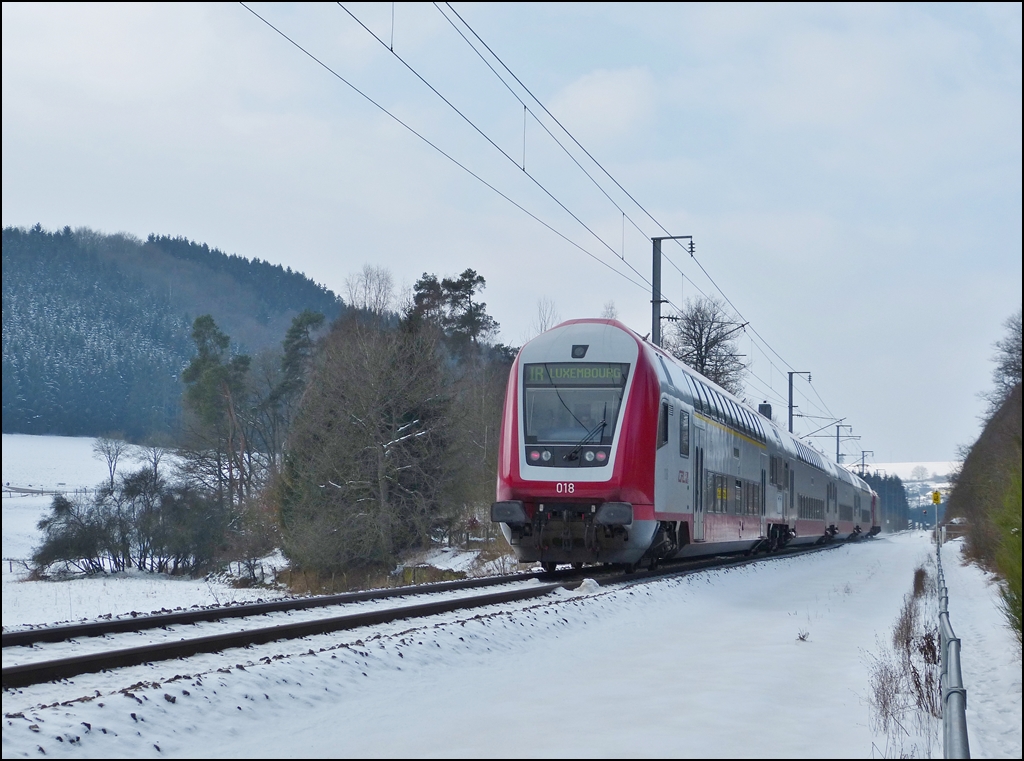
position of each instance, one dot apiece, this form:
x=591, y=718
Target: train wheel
x=549, y=566
x=577, y=566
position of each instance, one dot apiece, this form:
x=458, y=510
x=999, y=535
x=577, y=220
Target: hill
x=96, y=328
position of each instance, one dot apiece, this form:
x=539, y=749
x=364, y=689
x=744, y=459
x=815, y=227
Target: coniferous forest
x=97, y=328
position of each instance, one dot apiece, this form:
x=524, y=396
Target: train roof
x=760, y=425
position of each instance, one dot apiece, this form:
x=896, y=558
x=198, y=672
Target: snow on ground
x=51, y=462
x=993, y=720
x=65, y=463
x=59, y=463
x=710, y=665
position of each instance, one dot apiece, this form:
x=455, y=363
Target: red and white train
x=612, y=451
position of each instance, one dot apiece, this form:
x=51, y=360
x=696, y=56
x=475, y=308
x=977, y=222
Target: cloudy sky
x=851, y=175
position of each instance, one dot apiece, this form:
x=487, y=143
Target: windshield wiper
x=575, y=453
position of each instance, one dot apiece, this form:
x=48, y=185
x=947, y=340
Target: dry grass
x=904, y=679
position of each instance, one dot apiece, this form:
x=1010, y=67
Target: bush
x=1008, y=554
x=142, y=522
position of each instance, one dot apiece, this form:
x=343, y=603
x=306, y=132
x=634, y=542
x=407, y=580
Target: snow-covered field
x=67, y=463
x=711, y=665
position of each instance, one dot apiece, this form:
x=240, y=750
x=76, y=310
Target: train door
x=663, y=459
x=698, y=482
x=764, y=493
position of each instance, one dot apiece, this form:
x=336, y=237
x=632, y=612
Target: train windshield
x=569, y=402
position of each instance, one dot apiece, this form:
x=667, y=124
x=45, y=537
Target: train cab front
x=574, y=533
x=566, y=493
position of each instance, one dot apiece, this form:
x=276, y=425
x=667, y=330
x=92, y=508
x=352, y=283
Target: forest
x=96, y=327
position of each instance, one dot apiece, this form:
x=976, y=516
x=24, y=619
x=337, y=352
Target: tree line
x=347, y=445
x=986, y=493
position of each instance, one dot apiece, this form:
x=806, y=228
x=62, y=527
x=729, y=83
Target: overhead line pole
x=795, y=372
x=864, y=453
x=848, y=438
x=656, y=299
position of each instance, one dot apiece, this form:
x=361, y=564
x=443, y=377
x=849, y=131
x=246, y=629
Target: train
x=612, y=452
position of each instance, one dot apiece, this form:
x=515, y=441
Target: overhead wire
x=621, y=256
x=536, y=118
x=617, y=184
x=439, y=149
x=486, y=137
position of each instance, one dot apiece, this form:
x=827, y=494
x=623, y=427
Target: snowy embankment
x=767, y=660
x=711, y=665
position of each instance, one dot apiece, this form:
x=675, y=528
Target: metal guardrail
x=951, y=681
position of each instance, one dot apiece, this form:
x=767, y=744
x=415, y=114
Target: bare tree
x=374, y=449
x=152, y=452
x=111, y=449
x=1007, y=372
x=547, y=315
x=609, y=312
x=703, y=336
x=372, y=289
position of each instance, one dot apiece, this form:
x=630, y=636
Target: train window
x=745, y=416
x=737, y=414
x=708, y=409
x=716, y=408
x=723, y=409
x=663, y=425
x=712, y=410
x=737, y=498
x=684, y=433
x=752, y=499
x=698, y=403
x=758, y=428
x=694, y=399
x=716, y=493
x=701, y=396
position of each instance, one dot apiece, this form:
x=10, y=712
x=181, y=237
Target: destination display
x=576, y=374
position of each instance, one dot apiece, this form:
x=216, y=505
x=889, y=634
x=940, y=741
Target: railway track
x=39, y=669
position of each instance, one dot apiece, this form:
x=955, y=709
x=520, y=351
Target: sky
x=851, y=175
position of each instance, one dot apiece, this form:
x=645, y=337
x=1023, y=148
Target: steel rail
x=138, y=623
x=65, y=668
x=159, y=620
